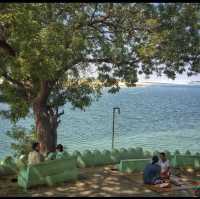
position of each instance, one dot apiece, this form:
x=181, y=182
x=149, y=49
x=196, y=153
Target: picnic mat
x=159, y=189
x=172, y=187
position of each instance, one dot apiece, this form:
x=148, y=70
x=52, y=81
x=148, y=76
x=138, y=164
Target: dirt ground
x=99, y=181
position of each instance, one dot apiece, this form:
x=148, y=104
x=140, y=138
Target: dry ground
x=98, y=181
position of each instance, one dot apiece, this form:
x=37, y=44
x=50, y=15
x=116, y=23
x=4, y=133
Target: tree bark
x=46, y=120
x=46, y=128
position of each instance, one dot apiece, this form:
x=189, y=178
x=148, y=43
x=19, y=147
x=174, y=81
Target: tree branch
x=4, y=45
x=61, y=113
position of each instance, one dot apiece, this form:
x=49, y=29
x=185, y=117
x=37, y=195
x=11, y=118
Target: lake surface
x=155, y=117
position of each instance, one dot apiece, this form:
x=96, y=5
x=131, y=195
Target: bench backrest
x=51, y=167
x=186, y=161
x=133, y=164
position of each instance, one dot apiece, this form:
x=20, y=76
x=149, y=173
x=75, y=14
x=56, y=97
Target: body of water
x=155, y=117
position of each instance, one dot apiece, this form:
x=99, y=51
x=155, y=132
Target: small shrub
x=23, y=139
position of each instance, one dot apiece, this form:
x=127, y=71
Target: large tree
x=46, y=48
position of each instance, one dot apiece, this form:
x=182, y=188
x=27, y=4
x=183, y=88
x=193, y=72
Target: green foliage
x=23, y=140
x=46, y=48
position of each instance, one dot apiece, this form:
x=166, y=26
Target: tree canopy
x=44, y=49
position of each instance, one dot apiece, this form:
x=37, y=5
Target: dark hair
x=59, y=147
x=34, y=145
x=155, y=159
x=163, y=154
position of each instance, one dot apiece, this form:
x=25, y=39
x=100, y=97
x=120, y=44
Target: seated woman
x=152, y=172
x=59, y=151
x=165, y=166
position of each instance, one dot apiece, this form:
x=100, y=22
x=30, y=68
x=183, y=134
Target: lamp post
x=113, y=129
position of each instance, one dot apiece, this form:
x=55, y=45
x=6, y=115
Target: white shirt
x=164, y=165
x=34, y=158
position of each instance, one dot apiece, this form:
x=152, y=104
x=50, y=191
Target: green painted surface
x=131, y=153
x=132, y=165
x=86, y=159
x=8, y=166
x=51, y=156
x=188, y=152
x=177, y=152
x=147, y=154
x=106, y=155
x=115, y=156
x=48, y=172
x=76, y=153
x=21, y=162
x=123, y=154
x=98, y=158
x=139, y=153
x=186, y=161
x=60, y=155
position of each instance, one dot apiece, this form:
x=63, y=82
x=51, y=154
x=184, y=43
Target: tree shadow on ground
x=97, y=181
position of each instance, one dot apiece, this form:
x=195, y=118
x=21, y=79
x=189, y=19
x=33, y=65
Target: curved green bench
x=51, y=156
x=21, y=162
x=123, y=154
x=48, y=173
x=86, y=159
x=98, y=158
x=132, y=165
x=147, y=154
x=106, y=155
x=64, y=154
x=115, y=156
x=8, y=166
x=186, y=161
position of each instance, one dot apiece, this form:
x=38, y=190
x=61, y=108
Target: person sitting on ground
x=59, y=151
x=152, y=172
x=165, y=166
x=34, y=156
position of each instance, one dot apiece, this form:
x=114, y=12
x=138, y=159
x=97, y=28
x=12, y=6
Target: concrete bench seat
x=132, y=165
x=186, y=161
x=8, y=166
x=48, y=173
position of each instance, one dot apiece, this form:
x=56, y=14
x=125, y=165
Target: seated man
x=34, y=156
x=165, y=167
x=152, y=172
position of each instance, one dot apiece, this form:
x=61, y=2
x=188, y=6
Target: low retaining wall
x=89, y=158
x=132, y=165
x=186, y=161
x=97, y=158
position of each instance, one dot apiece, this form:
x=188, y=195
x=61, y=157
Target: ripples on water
x=154, y=117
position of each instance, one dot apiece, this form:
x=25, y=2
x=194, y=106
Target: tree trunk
x=46, y=119
x=46, y=129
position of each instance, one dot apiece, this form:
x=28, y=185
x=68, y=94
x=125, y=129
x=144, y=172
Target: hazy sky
x=179, y=79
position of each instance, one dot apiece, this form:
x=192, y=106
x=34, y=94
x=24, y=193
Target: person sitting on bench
x=59, y=151
x=152, y=172
x=165, y=166
x=34, y=156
